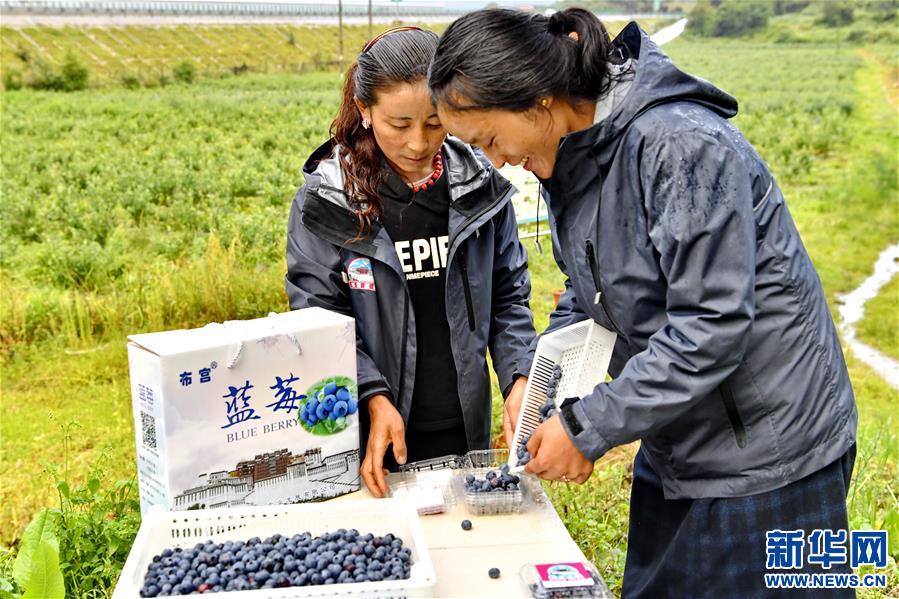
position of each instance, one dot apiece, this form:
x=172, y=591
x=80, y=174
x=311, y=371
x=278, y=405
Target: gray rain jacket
x=487, y=283
x=673, y=233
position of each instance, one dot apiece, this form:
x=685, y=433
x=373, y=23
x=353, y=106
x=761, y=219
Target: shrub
x=740, y=17
x=74, y=75
x=782, y=7
x=700, y=17
x=185, y=72
x=729, y=18
x=130, y=81
x=836, y=13
x=882, y=10
x=12, y=80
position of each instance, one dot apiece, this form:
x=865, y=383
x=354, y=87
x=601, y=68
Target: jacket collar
x=328, y=213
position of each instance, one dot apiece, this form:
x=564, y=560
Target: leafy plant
x=74, y=75
x=12, y=80
x=185, y=72
x=77, y=549
x=36, y=569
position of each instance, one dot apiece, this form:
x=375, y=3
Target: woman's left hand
x=556, y=457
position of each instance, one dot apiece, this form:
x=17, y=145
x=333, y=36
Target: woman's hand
x=556, y=457
x=386, y=427
x=512, y=408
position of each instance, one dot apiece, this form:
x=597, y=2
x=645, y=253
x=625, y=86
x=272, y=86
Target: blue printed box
x=251, y=412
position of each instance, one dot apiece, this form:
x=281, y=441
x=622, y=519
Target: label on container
x=564, y=575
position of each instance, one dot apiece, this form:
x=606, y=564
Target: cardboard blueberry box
x=254, y=412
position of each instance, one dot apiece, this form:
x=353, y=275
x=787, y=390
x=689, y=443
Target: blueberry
x=330, y=389
x=493, y=572
x=329, y=402
x=340, y=408
x=352, y=405
x=342, y=394
x=469, y=478
x=320, y=412
x=466, y=524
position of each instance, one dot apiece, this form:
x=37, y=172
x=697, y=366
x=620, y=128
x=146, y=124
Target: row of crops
x=149, y=54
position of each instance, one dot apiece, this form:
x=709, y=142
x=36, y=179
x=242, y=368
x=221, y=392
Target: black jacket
x=487, y=282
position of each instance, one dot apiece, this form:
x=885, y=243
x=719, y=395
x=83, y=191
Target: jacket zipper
x=600, y=298
x=475, y=217
x=466, y=286
x=730, y=406
x=403, y=346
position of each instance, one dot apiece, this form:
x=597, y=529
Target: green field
x=138, y=210
x=115, y=53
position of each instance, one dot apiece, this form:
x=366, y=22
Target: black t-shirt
x=418, y=225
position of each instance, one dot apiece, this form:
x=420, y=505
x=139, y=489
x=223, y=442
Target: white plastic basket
x=163, y=529
x=583, y=350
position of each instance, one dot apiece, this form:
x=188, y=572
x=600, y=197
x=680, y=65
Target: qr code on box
x=148, y=426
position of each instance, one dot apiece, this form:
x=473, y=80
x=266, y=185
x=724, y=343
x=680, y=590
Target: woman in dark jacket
x=413, y=234
x=673, y=234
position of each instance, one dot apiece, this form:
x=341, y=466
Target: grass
x=880, y=326
x=208, y=246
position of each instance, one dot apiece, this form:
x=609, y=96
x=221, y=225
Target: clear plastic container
x=564, y=579
x=486, y=458
x=430, y=491
x=478, y=464
x=444, y=462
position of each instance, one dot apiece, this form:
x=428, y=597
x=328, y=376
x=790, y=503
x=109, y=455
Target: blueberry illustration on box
x=330, y=406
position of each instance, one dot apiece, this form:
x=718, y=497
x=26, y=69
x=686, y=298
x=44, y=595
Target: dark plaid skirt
x=717, y=547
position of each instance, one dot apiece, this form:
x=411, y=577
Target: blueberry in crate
x=547, y=411
x=275, y=562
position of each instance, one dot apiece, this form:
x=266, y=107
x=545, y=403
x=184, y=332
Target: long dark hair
x=509, y=59
x=397, y=57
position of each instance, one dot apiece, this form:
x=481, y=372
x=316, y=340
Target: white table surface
x=508, y=542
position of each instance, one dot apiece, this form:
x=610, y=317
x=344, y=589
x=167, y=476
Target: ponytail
x=590, y=76
x=509, y=59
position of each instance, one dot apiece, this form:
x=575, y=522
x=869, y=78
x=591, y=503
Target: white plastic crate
x=583, y=350
x=162, y=529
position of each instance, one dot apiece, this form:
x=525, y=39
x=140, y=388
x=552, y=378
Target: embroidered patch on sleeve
x=359, y=275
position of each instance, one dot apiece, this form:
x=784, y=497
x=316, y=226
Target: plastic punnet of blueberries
x=493, y=481
x=547, y=410
x=278, y=561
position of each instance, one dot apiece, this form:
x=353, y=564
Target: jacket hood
x=476, y=190
x=465, y=169
x=656, y=81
